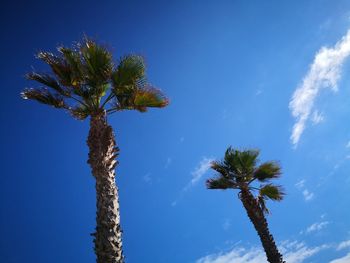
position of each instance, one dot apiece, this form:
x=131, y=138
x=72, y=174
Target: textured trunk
x=257, y=217
x=102, y=154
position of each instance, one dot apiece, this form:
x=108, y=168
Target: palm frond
x=220, y=183
x=80, y=112
x=267, y=171
x=222, y=169
x=241, y=163
x=273, y=192
x=97, y=62
x=59, y=66
x=44, y=96
x=48, y=81
x=149, y=98
x=72, y=58
x=129, y=73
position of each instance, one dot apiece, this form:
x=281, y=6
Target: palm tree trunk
x=257, y=217
x=102, y=154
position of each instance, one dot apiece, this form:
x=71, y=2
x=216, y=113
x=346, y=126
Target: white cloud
x=324, y=72
x=236, y=255
x=317, y=117
x=345, y=259
x=317, y=226
x=308, y=195
x=200, y=170
x=197, y=174
x=300, y=185
x=294, y=252
x=343, y=245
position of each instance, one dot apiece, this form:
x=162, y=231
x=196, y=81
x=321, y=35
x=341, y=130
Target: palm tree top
x=240, y=169
x=84, y=80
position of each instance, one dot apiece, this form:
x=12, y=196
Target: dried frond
x=48, y=81
x=80, y=112
x=45, y=97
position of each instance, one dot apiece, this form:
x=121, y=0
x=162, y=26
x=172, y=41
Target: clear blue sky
x=230, y=69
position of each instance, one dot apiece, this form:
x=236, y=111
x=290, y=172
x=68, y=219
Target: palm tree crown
x=239, y=169
x=84, y=80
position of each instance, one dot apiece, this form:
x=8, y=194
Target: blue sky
x=272, y=75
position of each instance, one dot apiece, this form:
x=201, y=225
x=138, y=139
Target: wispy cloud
x=317, y=117
x=345, y=259
x=343, y=245
x=306, y=193
x=317, y=226
x=199, y=171
x=300, y=185
x=196, y=174
x=294, y=252
x=324, y=72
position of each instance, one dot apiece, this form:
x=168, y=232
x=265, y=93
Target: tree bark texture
x=102, y=154
x=257, y=217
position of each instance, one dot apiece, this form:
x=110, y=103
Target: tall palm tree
x=238, y=170
x=85, y=82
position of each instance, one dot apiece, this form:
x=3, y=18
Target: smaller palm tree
x=238, y=170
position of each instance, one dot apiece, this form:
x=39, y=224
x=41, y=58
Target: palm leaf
x=44, y=96
x=221, y=169
x=267, y=171
x=48, y=81
x=80, y=112
x=241, y=163
x=59, y=66
x=220, y=183
x=149, y=97
x=273, y=192
x=98, y=65
x=72, y=58
x=129, y=73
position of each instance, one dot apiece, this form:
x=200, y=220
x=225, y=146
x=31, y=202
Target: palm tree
x=84, y=81
x=238, y=170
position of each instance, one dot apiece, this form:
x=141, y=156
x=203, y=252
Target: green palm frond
x=129, y=73
x=85, y=74
x=267, y=171
x=221, y=169
x=242, y=163
x=44, y=96
x=131, y=88
x=98, y=65
x=273, y=192
x=220, y=183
